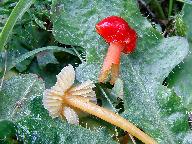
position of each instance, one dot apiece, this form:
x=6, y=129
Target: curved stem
x=170, y=7
x=21, y=7
x=111, y=62
x=157, y=7
x=35, y=51
x=108, y=116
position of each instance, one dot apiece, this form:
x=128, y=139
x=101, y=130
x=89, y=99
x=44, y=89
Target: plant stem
x=78, y=54
x=5, y=70
x=108, y=99
x=170, y=7
x=108, y=116
x=157, y=7
x=35, y=51
x=21, y=7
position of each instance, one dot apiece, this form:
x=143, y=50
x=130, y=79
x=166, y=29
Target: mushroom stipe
x=121, y=38
x=62, y=99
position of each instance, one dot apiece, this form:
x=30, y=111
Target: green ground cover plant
x=154, y=89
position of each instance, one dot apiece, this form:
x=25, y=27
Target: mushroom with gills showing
x=64, y=99
x=121, y=38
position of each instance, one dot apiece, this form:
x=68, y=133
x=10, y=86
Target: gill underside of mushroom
x=53, y=97
x=64, y=98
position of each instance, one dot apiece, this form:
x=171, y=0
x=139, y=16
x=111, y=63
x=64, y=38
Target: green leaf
x=31, y=53
x=93, y=122
x=34, y=130
x=21, y=7
x=41, y=9
x=142, y=71
x=24, y=64
x=7, y=57
x=29, y=35
x=46, y=57
x=87, y=71
x=3, y=59
x=74, y=23
x=117, y=90
x=7, y=132
x=164, y=117
x=181, y=78
x=40, y=23
x=180, y=26
x=155, y=5
x=48, y=73
x=49, y=68
x=12, y=63
x=187, y=20
x=17, y=93
x=13, y=54
x=21, y=101
x=186, y=1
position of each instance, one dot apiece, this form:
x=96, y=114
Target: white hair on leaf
x=70, y=115
x=53, y=98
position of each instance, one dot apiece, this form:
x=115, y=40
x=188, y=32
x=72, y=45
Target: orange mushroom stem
x=121, y=38
x=111, y=62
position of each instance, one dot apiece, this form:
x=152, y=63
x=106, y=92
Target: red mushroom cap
x=116, y=29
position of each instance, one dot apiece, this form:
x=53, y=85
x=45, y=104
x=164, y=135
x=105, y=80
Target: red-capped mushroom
x=121, y=38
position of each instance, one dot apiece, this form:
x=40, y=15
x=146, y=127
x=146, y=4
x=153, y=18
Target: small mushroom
x=121, y=38
x=53, y=98
x=64, y=98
